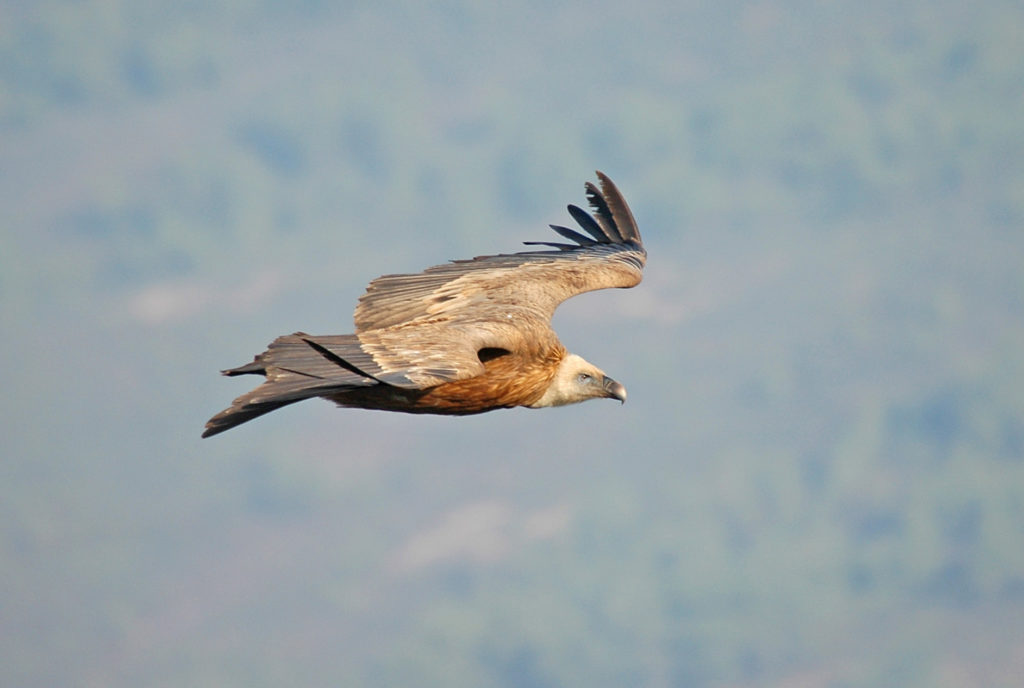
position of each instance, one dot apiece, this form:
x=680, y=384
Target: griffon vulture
x=465, y=337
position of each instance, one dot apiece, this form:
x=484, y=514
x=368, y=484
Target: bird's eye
x=583, y=377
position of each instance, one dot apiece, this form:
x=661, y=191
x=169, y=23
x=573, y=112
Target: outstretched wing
x=519, y=289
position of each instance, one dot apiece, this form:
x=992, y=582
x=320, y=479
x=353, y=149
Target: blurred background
x=818, y=479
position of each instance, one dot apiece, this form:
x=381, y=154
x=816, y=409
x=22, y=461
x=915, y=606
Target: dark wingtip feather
x=621, y=215
x=612, y=221
x=255, y=367
x=602, y=213
x=238, y=414
x=573, y=234
x=592, y=227
x=553, y=244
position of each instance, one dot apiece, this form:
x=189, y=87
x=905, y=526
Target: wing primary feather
x=602, y=213
x=588, y=223
x=573, y=235
x=255, y=367
x=621, y=215
x=553, y=244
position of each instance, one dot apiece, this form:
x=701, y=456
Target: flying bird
x=465, y=337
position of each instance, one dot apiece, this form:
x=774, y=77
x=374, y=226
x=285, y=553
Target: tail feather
x=296, y=368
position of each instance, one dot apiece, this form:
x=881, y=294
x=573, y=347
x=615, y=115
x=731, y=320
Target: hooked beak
x=613, y=389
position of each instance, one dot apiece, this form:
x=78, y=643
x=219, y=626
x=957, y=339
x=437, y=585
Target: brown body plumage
x=461, y=338
x=508, y=380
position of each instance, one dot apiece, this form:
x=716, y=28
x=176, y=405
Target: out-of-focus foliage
x=818, y=479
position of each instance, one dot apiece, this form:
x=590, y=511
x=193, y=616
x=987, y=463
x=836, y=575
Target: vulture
x=465, y=337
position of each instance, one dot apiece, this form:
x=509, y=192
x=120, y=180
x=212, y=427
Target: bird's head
x=577, y=380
